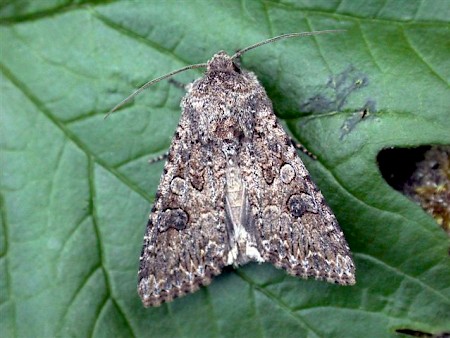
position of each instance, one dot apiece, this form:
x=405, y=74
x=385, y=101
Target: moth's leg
x=303, y=149
x=159, y=158
x=178, y=84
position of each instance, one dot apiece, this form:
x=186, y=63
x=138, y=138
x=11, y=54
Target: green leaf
x=76, y=189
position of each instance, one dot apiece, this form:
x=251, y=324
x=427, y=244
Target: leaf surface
x=76, y=189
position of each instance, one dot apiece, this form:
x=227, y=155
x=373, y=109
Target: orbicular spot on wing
x=178, y=186
x=287, y=173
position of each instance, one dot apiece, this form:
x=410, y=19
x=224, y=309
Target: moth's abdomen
x=242, y=234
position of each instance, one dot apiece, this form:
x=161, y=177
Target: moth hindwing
x=234, y=190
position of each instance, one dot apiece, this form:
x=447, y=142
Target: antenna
x=152, y=82
x=203, y=65
x=284, y=36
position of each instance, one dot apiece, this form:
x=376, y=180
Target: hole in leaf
x=422, y=174
x=415, y=333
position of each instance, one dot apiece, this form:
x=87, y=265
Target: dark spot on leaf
x=338, y=89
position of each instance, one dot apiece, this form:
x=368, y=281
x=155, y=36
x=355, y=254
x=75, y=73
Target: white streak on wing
x=243, y=247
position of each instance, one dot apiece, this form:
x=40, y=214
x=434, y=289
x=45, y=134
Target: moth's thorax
x=222, y=104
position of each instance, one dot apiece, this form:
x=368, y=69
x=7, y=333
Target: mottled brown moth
x=234, y=190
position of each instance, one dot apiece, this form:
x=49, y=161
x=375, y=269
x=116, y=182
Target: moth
x=234, y=190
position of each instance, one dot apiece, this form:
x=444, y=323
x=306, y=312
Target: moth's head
x=222, y=62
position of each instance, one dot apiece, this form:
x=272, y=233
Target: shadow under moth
x=234, y=190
